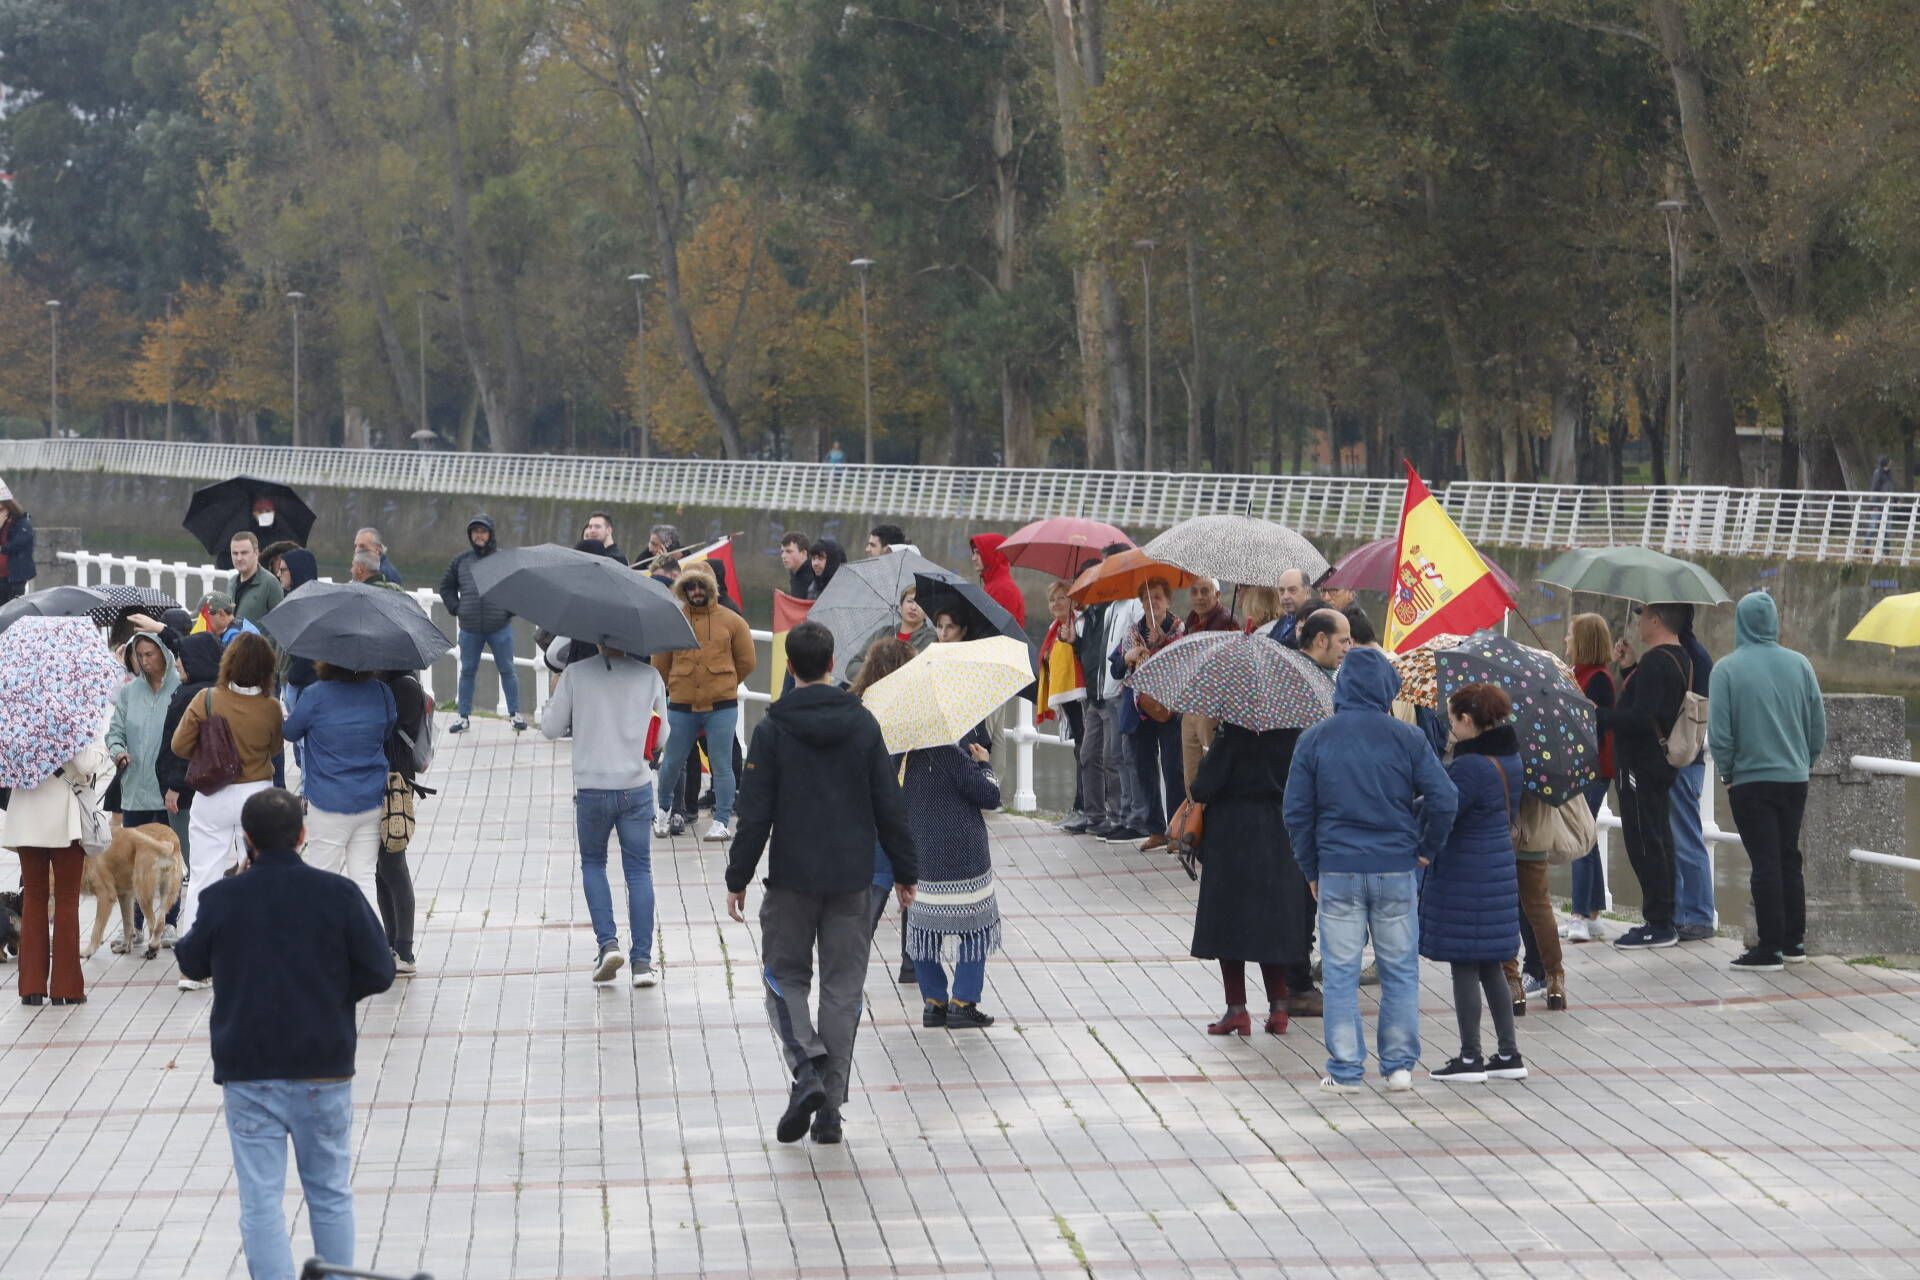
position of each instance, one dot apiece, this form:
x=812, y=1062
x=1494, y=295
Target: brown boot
x=1512, y=969
x=1556, y=990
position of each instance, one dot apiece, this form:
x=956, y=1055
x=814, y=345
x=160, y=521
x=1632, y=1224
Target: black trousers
x=1768, y=815
x=1646, y=796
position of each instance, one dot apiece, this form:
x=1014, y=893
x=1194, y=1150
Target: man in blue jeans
x=703, y=694
x=608, y=705
x=1367, y=803
x=1693, y=909
x=290, y=949
x=483, y=626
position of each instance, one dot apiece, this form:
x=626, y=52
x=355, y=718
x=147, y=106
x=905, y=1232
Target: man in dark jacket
x=16, y=546
x=796, y=560
x=597, y=538
x=1641, y=719
x=820, y=784
x=290, y=950
x=482, y=626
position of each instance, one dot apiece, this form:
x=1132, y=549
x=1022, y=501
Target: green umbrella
x=1634, y=573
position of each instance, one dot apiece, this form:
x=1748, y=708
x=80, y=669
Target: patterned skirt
x=954, y=920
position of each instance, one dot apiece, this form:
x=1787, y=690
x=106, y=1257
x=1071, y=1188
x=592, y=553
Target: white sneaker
x=169, y=936
x=718, y=831
x=1400, y=1081
x=1337, y=1086
x=660, y=829
x=1575, y=930
x=1596, y=932
x=645, y=975
x=189, y=984
x=609, y=962
x=403, y=968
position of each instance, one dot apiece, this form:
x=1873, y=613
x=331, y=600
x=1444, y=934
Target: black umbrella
x=121, y=601
x=585, y=597
x=1559, y=743
x=355, y=627
x=945, y=592
x=219, y=511
x=54, y=602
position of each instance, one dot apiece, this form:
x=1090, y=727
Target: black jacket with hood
x=835, y=558
x=200, y=659
x=819, y=782
x=302, y=568
x=457, y=589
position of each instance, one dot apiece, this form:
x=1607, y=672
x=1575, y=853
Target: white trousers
x=346, y=844
x=214, y=841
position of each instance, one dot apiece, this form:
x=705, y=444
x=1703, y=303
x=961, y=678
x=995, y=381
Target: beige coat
x=48, y=816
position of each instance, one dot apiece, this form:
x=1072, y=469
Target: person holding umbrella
x=1650, y=702
x=246, y=504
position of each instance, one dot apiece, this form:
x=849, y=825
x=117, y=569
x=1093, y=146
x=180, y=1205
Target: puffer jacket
x=711, y=675
x=457, y=589
x=1470, y=899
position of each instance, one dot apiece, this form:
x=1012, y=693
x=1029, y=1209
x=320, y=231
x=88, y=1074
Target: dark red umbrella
x=1370, y=568
x=1059, y=545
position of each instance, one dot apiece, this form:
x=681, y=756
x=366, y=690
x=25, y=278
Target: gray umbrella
x=54, y=602
x=355, y=627
x=862, y=603
x=1634, y=573
x=587, y=597
x=1238, y=549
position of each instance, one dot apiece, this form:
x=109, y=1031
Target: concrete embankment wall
x=138, y=515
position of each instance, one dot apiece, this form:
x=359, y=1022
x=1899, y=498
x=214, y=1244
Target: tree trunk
x=1569, y=409
x=1789, y=477
x=1712, y=445
x=1016, y=391
x=1197, y=383
x=1653, y=417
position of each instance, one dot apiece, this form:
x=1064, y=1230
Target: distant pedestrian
x=295, y=567
x=1359, y=626
x=597, y=537
x=1590, y=650
x=367, y=539
x=1469, y=897
x=343, y=721
x=825, y=558
x=1767, y=723
x=996, y=574
x=1205, y=612
x=1063, y=694
x=483, y=626
x=794, y=559
x=1650, y=701
x=836, y=456
x=255, y=591
x=703, y=695
x=1876, y=516
x=16, y=546
x=1693, y=905
x=955, y=917
x=365, y=570
x=1366, y=803
x=608, y=705
x=820, y=786
x=292, y=950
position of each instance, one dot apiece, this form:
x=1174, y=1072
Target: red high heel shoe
x=1232, y=1024
x=1277, y=1022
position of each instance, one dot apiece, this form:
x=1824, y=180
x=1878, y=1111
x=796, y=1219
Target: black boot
x=961, y=1016
x=826, y=1126
x=808, y=1096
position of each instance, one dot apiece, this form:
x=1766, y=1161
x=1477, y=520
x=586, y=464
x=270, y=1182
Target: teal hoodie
x=1766, y=721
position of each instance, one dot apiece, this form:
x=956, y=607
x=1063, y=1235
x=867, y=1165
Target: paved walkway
x=516, y=1121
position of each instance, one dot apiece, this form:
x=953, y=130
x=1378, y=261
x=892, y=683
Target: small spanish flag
x=788, y=613
x=1440, y=583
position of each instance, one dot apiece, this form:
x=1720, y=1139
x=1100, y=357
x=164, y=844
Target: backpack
x=1563, y=832
x=1688, y=737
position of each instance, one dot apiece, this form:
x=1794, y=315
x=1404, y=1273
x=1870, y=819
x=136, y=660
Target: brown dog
x=143, y=864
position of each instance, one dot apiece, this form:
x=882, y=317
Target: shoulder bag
x=216, y=759
x=1185, y=832
x=1688, y=737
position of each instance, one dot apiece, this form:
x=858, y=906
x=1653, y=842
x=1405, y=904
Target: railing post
x=1024, y=799
x=1854, y=908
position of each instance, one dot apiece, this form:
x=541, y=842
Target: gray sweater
x=605, y=704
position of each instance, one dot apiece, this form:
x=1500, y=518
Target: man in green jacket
x=1766, y=725
x=255, y=589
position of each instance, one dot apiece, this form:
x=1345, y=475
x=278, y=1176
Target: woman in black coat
x=1250, y=887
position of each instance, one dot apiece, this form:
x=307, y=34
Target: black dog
x=9, y=926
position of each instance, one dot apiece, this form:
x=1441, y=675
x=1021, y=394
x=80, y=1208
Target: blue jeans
x=969, y=979
x=1353, y=908
x=683, y=727
x=261, y=1116
x=1590, y=871
x=501, y=642
x=598, y=814
x=1692, y=869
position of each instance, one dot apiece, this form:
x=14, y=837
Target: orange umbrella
x=1122, y=576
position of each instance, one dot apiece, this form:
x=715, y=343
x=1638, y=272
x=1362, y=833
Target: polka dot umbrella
x=1244, y=680
x=1559, y=743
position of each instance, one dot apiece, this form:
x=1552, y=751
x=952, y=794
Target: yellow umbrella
x=1895, y=621
x=946, y=690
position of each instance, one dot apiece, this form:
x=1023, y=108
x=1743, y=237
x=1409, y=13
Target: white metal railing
x=1885, y=766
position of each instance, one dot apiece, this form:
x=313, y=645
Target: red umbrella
x=1059, y=545
x=1370, y=568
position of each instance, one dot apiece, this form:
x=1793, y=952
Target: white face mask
x=264, y=519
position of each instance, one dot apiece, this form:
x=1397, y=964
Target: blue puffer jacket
x=1470, y=901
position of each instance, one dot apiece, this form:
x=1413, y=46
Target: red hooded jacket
x=996, y=575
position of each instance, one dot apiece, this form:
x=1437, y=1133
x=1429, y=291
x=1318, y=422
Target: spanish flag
x=1440, y=583
x=788, y=613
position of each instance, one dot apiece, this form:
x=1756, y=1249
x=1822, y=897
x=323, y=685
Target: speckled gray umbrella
x=862, y=603
x=1245, y=680
x=1237, y=549
x=1634, y=573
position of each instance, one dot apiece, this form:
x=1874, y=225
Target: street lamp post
x=1671, y=211
x=296, y=297
x=639, y=282
x=168, y=353
x=53, y=370
x=1146, y=248
x=866, y=352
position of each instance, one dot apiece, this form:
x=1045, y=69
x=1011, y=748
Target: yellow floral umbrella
x=946, y=690
x=1419, y=683
x=1895, y=622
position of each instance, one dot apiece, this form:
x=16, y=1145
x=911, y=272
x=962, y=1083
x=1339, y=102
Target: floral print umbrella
x=56, y=679
x=1245, y=680
x=1559, y=742
x=1418, y=684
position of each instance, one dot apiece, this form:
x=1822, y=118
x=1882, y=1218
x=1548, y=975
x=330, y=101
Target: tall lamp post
x=639, y=282
x=296, y=298
x=53, y=370
x=866, y=353
x=1671, y=211
x=169, y=358
x=1146, y=248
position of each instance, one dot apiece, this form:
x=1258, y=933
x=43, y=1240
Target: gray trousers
x=1099, y=783
x=1126, y=803
x=793, y=926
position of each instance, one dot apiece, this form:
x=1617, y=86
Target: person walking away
x=17, y=568
x=1366, y=801
x=703, y=686
x=198, y=665
x=996, y=574
x=43, y=826
x=794, y=558
x=825, y=558
x=1063, y=695
x=134, y=743
x=1156, y=735
x=1590, y=650
x=392, y=878
x=1649, y=704
x=1204, y=613
x=482, y=626
x=1251, y=890
x=607, y=705
x=344, y=721
x=955, y=917
x=241, y=695
x=366, y=541
x=820, y=788
x=1469, y=898
x=255, y=590
x=1693, y=907
x=1767, y=724
x=292, y=949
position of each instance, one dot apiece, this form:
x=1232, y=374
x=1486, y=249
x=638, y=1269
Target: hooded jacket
x=819, y=783
x=1766, y=720
x=711, y=675
x=996, y=575
x=139, y=716
x=200, y=658
x=457, y=589
x=1366, y=793
x=302, y=568
x=1470, y=898
x=835, y=558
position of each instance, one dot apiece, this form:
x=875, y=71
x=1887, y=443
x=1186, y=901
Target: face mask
x=264, y=519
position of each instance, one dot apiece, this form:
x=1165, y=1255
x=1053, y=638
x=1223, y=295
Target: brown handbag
x=1185, y=832
x=1152, y=708
x=216, y=759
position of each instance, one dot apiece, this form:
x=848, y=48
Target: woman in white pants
x=243, y=696
x=343, y=720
